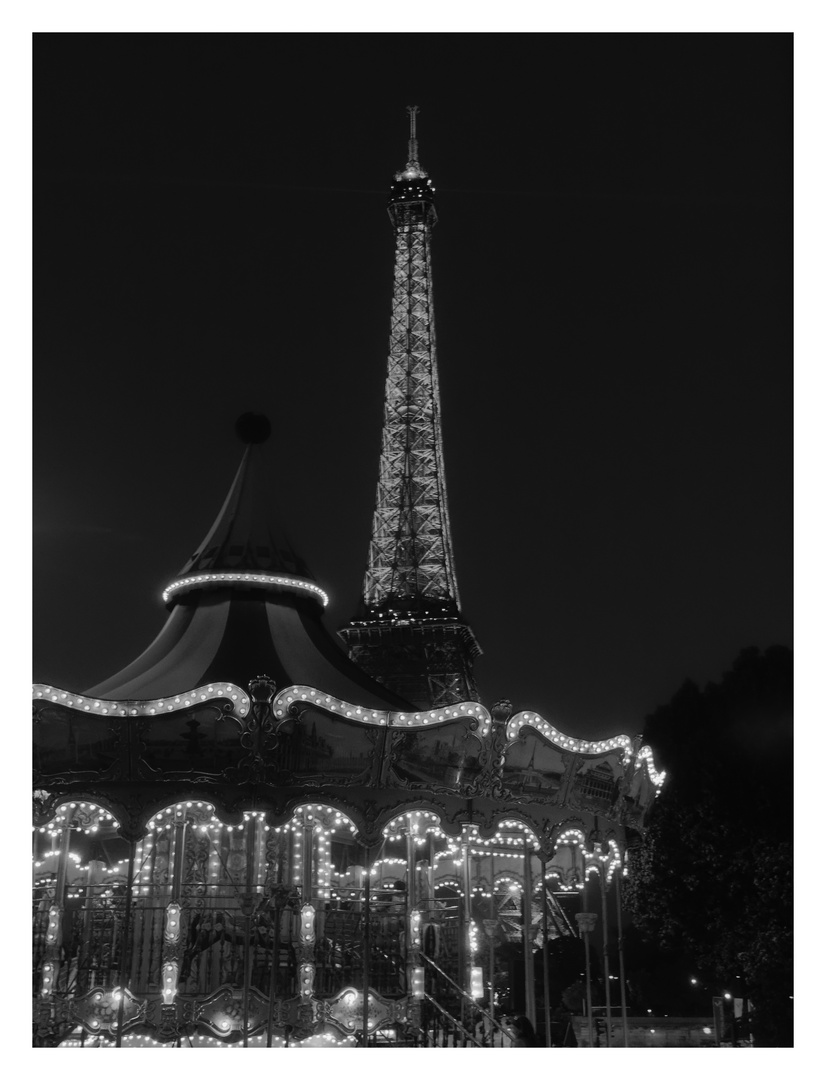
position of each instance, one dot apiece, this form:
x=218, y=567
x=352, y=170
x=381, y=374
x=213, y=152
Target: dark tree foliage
x=712, y=875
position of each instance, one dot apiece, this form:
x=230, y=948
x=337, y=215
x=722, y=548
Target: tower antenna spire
x=413, y=142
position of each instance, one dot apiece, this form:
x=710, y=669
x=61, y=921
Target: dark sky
x=613, y=306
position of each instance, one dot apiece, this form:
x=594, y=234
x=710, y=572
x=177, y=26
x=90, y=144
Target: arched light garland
x=266, y=581
x=95, y=817
x=583, y=746
x=421, y=823
x=479, y=845
x=646, y=755
x=152, y=707
x=450, y=881
x=514, y=884
x=382, y=718
x=573, y=837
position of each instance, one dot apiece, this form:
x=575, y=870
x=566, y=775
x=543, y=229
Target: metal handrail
x=456, y=1024
x=474, y=1002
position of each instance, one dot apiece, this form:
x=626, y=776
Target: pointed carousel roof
x=246, y=605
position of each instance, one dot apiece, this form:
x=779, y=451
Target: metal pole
x=63, y=863
x=493, y=925
x=276, y=956
x=546, y=979
x=584, y=918
x=530, y=992
x=585, y=938
x=249, y=839
x=127, y=916
x=365, y=1004
x=464, y=981
x=412, y=898
x=605, y=965
x=179, y=857
x=621, y=951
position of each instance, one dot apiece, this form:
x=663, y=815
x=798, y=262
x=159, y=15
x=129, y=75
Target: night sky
x=612, y=272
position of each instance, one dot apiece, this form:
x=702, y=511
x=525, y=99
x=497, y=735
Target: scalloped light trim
x=272, y=581
x=583, y=746
x=152, y=707
x=382, y=718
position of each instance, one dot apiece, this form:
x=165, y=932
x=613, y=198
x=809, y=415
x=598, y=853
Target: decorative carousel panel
x=223, y=1012
x=315, y=746
x=346, y=1011
x=435, y=758
x=202, y=739
x=596, y=785
x=532, y=767
x=100, y=1010
x=68, y=743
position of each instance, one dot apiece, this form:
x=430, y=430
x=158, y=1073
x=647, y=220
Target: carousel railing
x=213, y=941
x=221, y=938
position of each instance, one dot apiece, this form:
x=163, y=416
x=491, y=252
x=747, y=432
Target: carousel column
x=546, y=979
x=172, y=946
x=248, y=899
x=464, y=979
x=527, y=928
x=493, y=924
x=621, y=951
x=414, y=964
x=605, y=958
x=413, y=929
x=586, y=921
x=50, y=968
x=306, y=926
x=124, y=948
x=366, y=945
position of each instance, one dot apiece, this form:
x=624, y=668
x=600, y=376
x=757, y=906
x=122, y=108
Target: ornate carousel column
x=527, y=935
x=171, y=947
x=50, y=967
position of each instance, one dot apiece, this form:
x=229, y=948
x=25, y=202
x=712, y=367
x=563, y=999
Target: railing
x=440, y=1028
x=439, y=985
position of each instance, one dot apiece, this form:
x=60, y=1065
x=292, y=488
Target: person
x=523, y=1032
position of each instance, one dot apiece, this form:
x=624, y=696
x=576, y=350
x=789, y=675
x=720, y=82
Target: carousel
x=242, y=840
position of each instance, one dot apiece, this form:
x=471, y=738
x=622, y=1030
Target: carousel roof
x=244, y=605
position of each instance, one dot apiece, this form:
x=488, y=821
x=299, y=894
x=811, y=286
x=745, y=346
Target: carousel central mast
x=409, y=633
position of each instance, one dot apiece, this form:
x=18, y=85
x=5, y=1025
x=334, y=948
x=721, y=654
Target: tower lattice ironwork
x=409, y=633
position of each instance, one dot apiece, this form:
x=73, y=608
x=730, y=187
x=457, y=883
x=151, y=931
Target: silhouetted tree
x=712, y=874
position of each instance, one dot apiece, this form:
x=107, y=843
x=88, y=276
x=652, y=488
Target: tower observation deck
x=409, y=633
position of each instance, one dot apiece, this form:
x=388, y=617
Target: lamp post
x=587, y=921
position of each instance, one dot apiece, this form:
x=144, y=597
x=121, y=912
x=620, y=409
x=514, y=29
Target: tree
x=712, y=873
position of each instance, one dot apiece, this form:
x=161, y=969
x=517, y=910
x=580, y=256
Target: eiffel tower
x=409, y=633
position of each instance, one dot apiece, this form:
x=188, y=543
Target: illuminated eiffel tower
x=409, y=633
